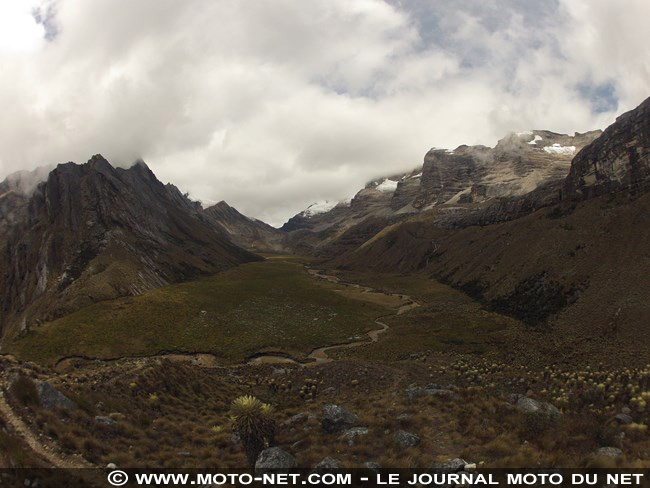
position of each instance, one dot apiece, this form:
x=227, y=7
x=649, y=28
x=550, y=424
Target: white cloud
x=274, y=105
x=19, y=31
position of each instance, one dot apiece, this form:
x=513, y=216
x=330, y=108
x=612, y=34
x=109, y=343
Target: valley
x=489, y=307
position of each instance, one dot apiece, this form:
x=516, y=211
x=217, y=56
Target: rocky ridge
x=92, y=232
x=466, y=186
x=246, y=232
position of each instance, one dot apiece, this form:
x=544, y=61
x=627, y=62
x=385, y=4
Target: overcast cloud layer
x=272, y=105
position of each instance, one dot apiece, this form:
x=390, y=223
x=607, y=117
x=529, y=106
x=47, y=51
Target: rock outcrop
x=619, y=160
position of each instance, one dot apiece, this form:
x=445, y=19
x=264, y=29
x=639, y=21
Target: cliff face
x=469, y=185
x=93, y=232
x=517, y=165
x=619, y=160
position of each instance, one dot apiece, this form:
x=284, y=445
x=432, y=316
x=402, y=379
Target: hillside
x=93, y=232
x=577, y=268
x=251, y=234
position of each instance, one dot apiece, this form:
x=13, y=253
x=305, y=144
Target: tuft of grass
x=23, y=389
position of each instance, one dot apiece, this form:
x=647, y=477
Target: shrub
x=254, y=425
x=24, y=391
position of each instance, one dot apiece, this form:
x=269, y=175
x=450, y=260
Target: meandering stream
x=319, y=355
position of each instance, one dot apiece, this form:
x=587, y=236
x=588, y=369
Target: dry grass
x=189, y=425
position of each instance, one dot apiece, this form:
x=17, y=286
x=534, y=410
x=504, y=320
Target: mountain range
x=549, y=228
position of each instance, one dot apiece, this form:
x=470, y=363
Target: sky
x=272, y=106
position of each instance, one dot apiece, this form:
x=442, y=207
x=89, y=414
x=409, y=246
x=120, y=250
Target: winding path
x=35, y=444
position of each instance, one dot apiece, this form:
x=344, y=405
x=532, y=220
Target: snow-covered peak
x=558, y=149
x=319, y=207
x=535, y=140
x=387, y=186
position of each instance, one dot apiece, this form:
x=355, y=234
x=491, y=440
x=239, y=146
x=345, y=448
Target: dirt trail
x=35, y=444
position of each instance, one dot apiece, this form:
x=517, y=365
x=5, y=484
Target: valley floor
x=444, y=369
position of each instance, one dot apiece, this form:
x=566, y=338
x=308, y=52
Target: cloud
x=274, y=105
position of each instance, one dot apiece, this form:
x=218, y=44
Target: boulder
x=372, y=466
x=623, y=418
x=350, y=436
x=611, y=452
x=532, y=406
x=406, y=439
x=51, y=398
x=432, y=389
x=100, y=419
x=328, y=464
x=299, y=418
x=274, y=458
x=453, y=465
x=336, y=418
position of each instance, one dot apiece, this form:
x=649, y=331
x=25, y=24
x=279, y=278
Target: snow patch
x=319, y=207
x=387, y=186
x=419, y=175
x=563, y=150
x=534, y=141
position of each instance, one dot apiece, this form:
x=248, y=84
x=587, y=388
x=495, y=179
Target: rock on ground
x=372, y=465
x=100, y=419
x=414, y=391
x=612, y=452
x=296, y=419
x=406, y=439
x=350, y=436
x=336, y=418
x=623, y=418
x=51, y=398
x=454, y=465
x=531, y=406
x=274, y=458
x=328, y=464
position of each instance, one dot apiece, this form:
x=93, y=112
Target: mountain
x=251, y=234
x=576, y=264
x=466, y=186
x=93, y=232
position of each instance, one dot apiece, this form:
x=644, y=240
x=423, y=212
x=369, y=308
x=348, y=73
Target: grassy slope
x=269, y=305
x=447, y=319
